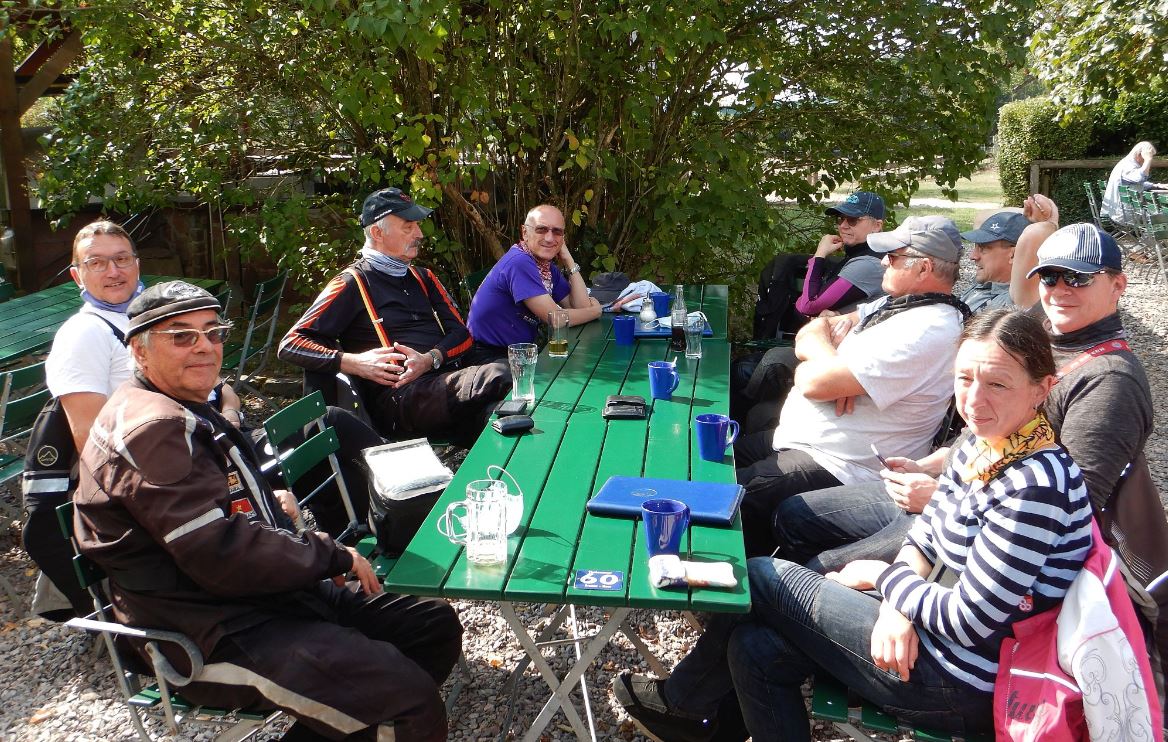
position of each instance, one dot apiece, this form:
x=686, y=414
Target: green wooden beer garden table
x=559, y=465
x=28, y=323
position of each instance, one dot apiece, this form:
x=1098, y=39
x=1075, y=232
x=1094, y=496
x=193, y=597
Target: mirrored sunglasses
x=1073, y=279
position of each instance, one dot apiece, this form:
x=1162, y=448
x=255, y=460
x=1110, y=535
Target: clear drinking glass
x=522, y=357
x=558, y=333
x=695, y=325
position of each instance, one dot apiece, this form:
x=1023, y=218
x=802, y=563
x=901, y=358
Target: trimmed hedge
x=1134, y=117
x=1029, y=130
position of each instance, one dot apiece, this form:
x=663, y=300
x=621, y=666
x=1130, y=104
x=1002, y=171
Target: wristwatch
x=437, y=356
x=574, y=269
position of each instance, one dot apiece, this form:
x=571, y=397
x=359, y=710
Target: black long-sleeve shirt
x=415, y=311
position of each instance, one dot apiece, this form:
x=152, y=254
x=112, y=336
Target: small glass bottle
x=677, y=314
x=648, y=315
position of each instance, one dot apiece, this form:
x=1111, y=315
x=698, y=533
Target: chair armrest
x=162, y=666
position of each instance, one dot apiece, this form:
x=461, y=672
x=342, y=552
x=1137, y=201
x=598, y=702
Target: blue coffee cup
x=663, y=379
x=661, y=302
x=663, y=525
x=715, y=433
x=622, y=329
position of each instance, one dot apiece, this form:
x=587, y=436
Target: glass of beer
x=557, y=321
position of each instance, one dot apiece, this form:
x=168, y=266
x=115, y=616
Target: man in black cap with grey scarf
x=395, y=330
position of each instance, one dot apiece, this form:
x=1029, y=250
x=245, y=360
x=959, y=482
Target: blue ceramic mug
x=664, y=522
x=715, y=433
x=663, y=379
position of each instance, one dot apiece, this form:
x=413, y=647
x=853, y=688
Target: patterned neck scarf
x=545, y=266
x=989, y=459
x=385, y=264
x=121, y=308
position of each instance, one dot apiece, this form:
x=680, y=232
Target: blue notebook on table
x=709, y=503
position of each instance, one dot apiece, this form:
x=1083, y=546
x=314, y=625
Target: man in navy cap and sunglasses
x=395, y=328
x=1078, y=274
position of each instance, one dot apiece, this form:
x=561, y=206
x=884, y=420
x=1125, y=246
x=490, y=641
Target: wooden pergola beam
x=50, y=69
x=12, y=155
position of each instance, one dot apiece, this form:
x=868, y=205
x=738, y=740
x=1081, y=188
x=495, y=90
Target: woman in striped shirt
x=1010, y=519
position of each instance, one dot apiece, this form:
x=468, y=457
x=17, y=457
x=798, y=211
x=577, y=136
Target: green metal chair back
x=22, y=395
x=247, y=359
x=304, y=416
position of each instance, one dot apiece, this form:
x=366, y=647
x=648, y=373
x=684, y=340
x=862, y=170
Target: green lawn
x=983, y=186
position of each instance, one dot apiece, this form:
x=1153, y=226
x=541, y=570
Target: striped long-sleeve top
x=1016, y=543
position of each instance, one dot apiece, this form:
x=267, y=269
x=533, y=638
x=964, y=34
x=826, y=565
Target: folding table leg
x=643, y=650
x=560, y=696
x=549, y=676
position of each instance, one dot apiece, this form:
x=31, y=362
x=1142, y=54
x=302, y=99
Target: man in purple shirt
x=525, y=285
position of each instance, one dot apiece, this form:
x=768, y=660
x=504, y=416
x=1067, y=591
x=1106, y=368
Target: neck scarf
x=900, y=304
x=990, y=459
x=385, y=264
x=545, y=266
x=93, y=301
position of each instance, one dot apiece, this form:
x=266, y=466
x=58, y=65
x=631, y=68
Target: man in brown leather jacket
x=172, y=506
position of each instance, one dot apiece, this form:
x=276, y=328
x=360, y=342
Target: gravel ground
x=55, y=686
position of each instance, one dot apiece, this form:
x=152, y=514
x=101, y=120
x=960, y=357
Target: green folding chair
x=244, y=361
x=142, y=697
x=303, y=417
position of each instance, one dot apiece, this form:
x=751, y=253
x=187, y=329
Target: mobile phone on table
x=883, y=461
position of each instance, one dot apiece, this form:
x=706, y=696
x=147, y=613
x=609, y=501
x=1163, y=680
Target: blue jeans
x=825, y=529
x=802, y=624
x=770, y=477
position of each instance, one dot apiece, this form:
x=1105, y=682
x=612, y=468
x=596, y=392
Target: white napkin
x=636, y=287
x=668, y=570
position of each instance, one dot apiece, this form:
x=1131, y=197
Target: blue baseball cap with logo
x=1004, y=225
x=860, y=203
x=1079, y=247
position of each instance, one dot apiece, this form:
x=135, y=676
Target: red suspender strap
x=426, y=291
x=1107, y=346
x=373, y=318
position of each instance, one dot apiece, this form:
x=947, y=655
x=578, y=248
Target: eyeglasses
x=1073, y=279
x=851, y=220
x=892, y=256
x=187, y=337
x=101, y=264
x=542, y=230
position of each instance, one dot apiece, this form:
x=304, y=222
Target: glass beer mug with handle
x=483, y=522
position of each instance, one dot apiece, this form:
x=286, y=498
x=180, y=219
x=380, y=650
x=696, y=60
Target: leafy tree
x=1089, y=51
x=659, y=128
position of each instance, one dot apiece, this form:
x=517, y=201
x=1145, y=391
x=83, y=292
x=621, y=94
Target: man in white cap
x=173, y=507
x=880, y=376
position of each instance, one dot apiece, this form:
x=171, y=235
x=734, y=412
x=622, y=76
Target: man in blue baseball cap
x=830, y=283
x=993, y=256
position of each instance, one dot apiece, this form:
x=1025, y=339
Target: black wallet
x=513, y=424
x=625, y=407
x=510, y=407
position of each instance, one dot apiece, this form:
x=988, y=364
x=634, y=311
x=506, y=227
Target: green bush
x=1066, y=190
x=1028, y=130
x=1133, y=117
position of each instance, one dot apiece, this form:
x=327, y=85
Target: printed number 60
x=607, y=579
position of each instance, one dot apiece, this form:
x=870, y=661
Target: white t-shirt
x=87, y=356
x=905, y=365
